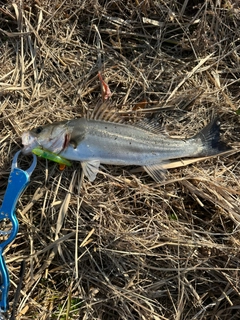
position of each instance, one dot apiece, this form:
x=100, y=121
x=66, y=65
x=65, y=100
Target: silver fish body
x=120, y=144
x=95, y=141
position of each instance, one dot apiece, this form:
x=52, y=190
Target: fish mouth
x=29, y=142
x=56, y=145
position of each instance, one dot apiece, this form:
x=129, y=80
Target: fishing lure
x=51, y=156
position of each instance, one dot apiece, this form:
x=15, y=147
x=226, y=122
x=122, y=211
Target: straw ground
x=124, y=247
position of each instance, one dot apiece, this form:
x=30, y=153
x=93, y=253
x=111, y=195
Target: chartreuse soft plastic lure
x=51, y=156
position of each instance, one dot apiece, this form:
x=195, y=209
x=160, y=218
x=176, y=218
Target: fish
x=146, y=144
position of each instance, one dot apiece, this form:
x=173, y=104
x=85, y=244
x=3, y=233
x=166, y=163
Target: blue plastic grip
x=17, y=182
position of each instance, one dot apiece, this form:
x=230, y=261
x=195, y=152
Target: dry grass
x=124, y=247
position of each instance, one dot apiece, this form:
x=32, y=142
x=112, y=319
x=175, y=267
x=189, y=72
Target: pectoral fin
x=90, y=169
x=156, y=171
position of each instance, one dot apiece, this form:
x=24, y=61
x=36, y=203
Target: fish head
x=52, y=137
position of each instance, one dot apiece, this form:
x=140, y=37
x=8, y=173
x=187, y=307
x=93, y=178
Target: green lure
x=50, y=156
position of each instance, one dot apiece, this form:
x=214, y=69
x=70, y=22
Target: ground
x=124, y=246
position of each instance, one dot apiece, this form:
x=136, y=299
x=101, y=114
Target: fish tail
x=210, y=139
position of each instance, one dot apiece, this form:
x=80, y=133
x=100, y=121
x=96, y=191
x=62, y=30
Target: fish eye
x=38, y=130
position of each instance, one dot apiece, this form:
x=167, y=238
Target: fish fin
x=105, y=111
x=210, y=139
x=90, y=169
x=152, y=125
x=156, y=171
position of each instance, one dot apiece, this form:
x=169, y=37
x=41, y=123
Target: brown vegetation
x=124, y=247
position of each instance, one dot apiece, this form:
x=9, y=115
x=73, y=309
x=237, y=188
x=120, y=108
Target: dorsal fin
x=152, y=125
x=105, y=111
